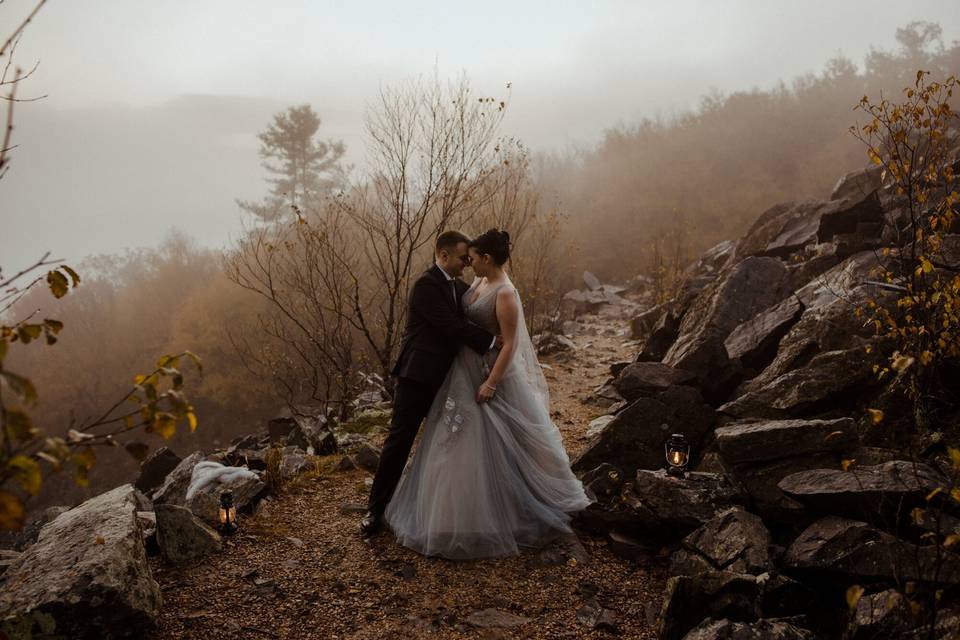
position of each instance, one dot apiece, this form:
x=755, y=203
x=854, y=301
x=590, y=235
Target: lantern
x=228, y=513
x=677, y=451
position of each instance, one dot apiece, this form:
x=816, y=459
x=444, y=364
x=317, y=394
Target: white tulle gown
x=487, y=479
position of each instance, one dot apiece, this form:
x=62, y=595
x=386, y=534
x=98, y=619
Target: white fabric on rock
x=487, y=479
x=208, y=472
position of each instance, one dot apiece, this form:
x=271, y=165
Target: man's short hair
x=449, y=240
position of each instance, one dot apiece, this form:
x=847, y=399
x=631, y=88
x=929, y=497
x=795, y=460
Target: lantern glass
x=228, y=513
x=677, y=451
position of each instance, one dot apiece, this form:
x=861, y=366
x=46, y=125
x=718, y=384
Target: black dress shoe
x=371, y=524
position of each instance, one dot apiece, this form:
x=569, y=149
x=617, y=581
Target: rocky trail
x=298, y=568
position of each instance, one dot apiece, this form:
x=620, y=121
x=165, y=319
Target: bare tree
x=298, y=268
x=432, y=148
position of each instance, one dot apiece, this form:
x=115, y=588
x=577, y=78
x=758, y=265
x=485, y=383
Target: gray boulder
x=712, y=261
x=858, y=551
x=662, y=336
x=28, y=535
x=763, y=629
x=734, y=540
x=880, y=615
x=593, y=282
x=828, y=322
x=807, y=390
x=86, y=576
x=858, y=184
x=737, y=295
x=755, y=341
x=688, y=600
x=877, y=492
x=294, y=462
x=174, y=487
x=669, y=506
x=782, y=230
x=155, y=469
x=367, y=457
x=758, y=440
x=758, y=481
x=642, y=325
x=856, y=217
x=643, y=379
x=635, y=437
x=182, y=537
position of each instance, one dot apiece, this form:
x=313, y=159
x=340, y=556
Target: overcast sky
x=153, y=106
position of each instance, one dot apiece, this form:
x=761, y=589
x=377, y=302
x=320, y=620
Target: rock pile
x=761, y=363
x=82, y=572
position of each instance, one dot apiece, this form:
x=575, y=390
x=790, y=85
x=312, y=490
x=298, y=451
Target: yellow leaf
x=165, y=424
x=11, y=512
x=854, y=592
x=933, y=494
x=192, y=420
x=27, y=471
x=876, y=416
x=846, y=464
x=954, y=457
x=99, y=540
x=951, y=540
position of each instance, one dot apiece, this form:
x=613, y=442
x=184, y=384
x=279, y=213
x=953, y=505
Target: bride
x=490, y=474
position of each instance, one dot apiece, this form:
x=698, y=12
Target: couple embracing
x=490, y=475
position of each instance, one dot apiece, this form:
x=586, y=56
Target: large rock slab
x=758, y=440
x=634, y=438
x=782, y=230
x=734, y=540
x=154, y=470
x=643, y=379
x=764, y=629
x=880, y=615
x=758, y=482
x=86, y=576
x=856, y=214
x=28, y=535
x=688, y=600
x=875, y=492
x=310, y=434
x=858, y=184
x=739, y=293
x=662, y=336
x=828, y=322
x=755, y=341
x=182, y=536
x=859, y=551
x=805, y=391
x=677, y=506
x=174, y=487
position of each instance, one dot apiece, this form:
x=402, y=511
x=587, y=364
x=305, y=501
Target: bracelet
x=494, y=389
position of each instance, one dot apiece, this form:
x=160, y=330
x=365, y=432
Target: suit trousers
x=411, y=403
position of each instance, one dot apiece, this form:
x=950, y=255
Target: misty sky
x=154, y=106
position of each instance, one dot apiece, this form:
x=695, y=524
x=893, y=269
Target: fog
x=152, y=108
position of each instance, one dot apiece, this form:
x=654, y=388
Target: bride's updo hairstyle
x=495, y=243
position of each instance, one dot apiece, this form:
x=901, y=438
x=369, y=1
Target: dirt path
x=298, y=568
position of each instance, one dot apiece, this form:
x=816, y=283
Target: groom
x=436, y=328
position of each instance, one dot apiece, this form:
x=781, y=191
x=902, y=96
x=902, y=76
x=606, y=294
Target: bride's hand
x=485, y=393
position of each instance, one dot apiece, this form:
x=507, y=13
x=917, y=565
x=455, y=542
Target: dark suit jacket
x=436, y=328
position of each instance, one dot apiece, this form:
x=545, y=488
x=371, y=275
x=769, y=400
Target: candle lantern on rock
x=677, y=451
x=228, y=513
